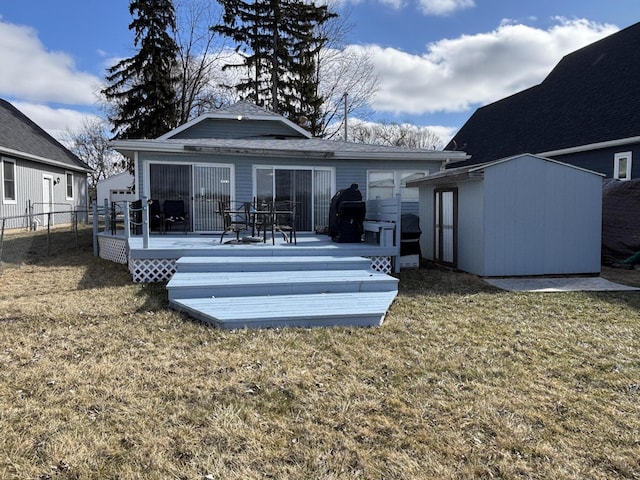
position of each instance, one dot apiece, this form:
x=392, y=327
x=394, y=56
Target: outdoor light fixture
x=56, y=181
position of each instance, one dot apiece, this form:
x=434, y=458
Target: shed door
x=446, y=226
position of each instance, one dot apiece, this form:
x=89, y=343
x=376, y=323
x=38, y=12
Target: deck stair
x=249, y=292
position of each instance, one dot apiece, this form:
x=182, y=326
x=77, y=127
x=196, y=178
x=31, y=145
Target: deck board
x=354, y=309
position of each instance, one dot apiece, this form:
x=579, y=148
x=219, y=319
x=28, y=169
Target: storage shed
x=519, y=216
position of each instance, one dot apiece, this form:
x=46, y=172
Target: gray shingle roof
x=21, y=134
x=591, y=96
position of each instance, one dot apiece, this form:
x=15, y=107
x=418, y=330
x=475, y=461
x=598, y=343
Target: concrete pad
x=558, y=284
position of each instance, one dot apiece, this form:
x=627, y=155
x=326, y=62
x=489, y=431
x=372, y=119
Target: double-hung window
x=622, y=166
x=69, y=185
x=8, y=181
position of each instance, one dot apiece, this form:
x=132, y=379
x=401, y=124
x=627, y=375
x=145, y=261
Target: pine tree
x=279, y=41
x=142, y=88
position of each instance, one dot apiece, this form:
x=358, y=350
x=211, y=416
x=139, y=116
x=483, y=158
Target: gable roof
x=21, y=137
x=476, y=171
x=590, y=98
x=299, y=144
x=242, y=111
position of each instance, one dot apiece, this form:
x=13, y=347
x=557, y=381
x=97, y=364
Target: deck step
x=311, y=310
x=270, y=263
x=242, y=284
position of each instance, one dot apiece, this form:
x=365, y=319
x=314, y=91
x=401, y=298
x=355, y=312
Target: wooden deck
x=176, y=246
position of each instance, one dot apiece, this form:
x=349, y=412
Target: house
x=39, y=175
x=584, y=113
x=519, y=216
x=243, y=152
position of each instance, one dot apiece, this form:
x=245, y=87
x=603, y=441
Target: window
x=622, y=166
x=69, y=185
x=9, y=181
x=387, y=183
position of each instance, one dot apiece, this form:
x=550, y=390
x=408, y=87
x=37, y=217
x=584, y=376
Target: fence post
x=95, y=229
x=145, y=223
x=127, y=220
x=48, y=233
x=2, y=239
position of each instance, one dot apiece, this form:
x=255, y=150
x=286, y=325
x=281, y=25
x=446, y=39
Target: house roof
x=476, y=171
x=20, y=137
x=242, y=111
x=589, y=98
x=299, y=146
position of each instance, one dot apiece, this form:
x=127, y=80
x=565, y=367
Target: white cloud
x=454, y=75
x=444, y=7
x=31, y=72
x=55, y=121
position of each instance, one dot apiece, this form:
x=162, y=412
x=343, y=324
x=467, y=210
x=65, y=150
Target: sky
x=436, y=61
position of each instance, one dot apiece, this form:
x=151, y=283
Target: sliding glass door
x=201, y=187
x=310, y=188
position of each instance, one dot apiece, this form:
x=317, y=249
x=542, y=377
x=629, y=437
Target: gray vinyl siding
x=346, y=171
x=29, y=179
x=229, y=128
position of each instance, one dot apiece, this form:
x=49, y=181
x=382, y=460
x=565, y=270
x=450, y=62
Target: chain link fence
x=33, y=237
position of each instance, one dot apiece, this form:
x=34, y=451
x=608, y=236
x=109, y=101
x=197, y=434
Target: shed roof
x=589, y=98
x=476, y=171
x=21, y=137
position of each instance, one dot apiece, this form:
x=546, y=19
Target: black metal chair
x=235, y=219
x=156, y=216
x=175, y=214
x=284, y=220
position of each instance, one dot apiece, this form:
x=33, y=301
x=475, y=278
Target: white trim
x=592, y=146
x=239, y=118
x=628, y=156
x=36, y=158
x=397, y=181
x=14, y=200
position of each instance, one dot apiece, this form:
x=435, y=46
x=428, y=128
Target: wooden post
x=145, y=222
x=127, y=221
x=107, y=216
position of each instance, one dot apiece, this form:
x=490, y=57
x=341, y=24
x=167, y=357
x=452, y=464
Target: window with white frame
x=8, y=181
x=387, y=183
x=622, y=166
x=69, y=185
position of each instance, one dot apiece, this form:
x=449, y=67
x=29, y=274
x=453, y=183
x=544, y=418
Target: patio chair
x=235, y=219
x=284, y=220
x=175, y=214
x=156, y=215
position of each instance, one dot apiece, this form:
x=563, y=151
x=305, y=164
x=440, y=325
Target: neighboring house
x=584, y=113
x=524, y=215
x=37, y=171
x=243, y=152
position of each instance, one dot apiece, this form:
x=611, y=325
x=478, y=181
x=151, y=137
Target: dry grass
x=100, y=380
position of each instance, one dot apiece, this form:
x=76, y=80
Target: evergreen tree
x=142, y=88
x=279, y=41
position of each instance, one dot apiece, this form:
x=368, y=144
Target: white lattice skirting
x=381, y=264
x=152, y=270
x=113, y=249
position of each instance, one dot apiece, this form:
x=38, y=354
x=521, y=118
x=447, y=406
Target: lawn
x=100, y=380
